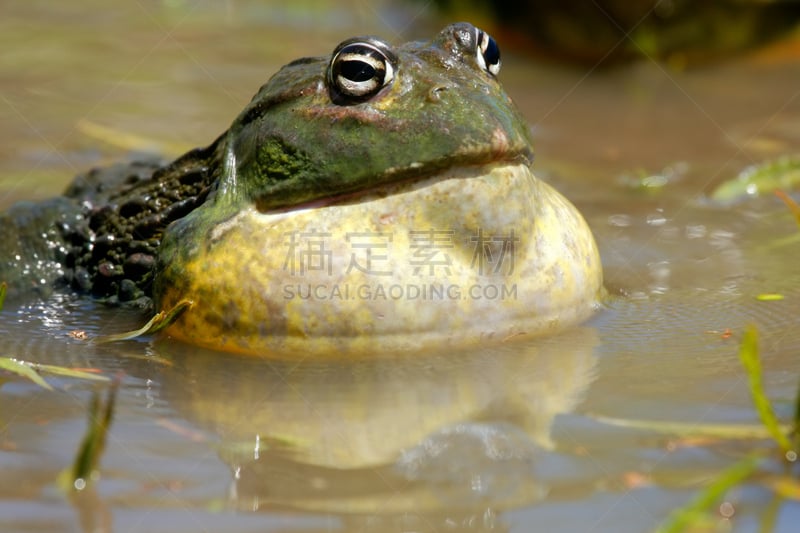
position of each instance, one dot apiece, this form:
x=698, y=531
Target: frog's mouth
x=398, y=180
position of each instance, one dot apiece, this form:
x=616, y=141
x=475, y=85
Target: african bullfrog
x=379, y=198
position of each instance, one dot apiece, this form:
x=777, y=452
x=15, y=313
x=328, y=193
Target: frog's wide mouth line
x=383, y=190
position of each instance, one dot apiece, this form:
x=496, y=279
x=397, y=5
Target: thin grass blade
x=696, y=511
x=160, y=321
x=21, y=368
x=749, y=355
x=68, y=372
x=93, y=444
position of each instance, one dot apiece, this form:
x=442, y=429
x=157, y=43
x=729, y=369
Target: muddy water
x=511, y=439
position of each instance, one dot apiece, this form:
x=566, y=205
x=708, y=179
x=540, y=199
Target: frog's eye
x=359, y=69
x=488, y=53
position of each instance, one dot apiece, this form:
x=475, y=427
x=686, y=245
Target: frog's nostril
x=435, y=93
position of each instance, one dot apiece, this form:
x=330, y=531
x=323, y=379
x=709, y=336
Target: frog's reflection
x=457, y=433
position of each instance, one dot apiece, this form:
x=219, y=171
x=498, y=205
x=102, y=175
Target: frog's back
x=100, y=237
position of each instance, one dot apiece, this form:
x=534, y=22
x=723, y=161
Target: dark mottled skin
x=101, y=237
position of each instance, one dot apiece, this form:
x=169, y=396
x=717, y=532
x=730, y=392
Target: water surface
x=506, y=438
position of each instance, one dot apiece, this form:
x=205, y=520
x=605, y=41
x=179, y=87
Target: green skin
x=299, y=140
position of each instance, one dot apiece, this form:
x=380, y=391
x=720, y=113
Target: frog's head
x=372, y=114
x=378, y=169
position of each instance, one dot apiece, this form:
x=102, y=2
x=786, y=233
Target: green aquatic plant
x=710, y=431
x=23, y=369
x=85, y=468
x=644, y=181
x=782, y=173
x=769, y=297
x=33, y=371
x=160, y=321
x=749, y=355
x=694, y=514
x=795, y=432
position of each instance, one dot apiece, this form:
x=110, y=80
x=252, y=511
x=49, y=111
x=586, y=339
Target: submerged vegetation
x=749, y=355
x=696, y=515
x=33, y=371
x=768, y=177
x=86, y=466
x=160, y=321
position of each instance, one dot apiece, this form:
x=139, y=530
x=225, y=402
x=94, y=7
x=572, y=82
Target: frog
x=376, y=200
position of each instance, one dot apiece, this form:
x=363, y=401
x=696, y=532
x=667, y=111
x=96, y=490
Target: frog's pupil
x=355, y=70
x=488, y=53
x=492, y=52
